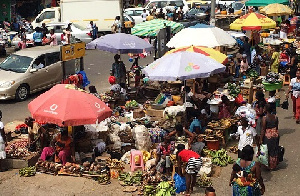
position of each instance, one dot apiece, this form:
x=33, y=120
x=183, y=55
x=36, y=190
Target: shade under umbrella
x=66, y=106
x=182, y=66
x=120, y=43
x=209, y=37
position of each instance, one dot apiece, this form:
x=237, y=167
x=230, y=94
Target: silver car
x=30, y=70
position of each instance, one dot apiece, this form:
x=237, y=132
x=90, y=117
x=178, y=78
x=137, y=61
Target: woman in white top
x=294, y=88
x=2, y=142
x=116, y=26
x=53, y=39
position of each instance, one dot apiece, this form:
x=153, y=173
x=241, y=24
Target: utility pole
x=213, y=13
x=121, y=14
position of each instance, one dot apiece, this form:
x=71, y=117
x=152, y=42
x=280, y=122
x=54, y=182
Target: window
x=47, y=15
x=52, y=58
x=16, y=63
x=129, y=12
x=138, y=12
x=39, y=62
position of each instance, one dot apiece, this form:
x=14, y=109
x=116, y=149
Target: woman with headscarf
x=294, y=88
x=246, y=177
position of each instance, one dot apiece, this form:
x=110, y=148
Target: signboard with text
x=72, y=51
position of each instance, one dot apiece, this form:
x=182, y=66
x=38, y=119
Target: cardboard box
x=155, y=113
x=138, y=113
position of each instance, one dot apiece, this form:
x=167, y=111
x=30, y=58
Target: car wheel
x=22, y=92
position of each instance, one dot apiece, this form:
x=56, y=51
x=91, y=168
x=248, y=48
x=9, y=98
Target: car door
x=53, y=68
x=38, y=77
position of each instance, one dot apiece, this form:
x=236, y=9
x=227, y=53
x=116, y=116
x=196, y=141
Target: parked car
x=22, y=72
x=239, y=7
x=77, y=31
x=167, y=5
x=196, y=13
x=135, y=13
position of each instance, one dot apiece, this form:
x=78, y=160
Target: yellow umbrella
x=276, y=9
x=210, y=52
x=253, y=21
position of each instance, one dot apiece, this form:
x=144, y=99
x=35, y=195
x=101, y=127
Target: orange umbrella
x=210, y=52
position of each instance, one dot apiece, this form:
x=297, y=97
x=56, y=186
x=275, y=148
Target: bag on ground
x=180, y=184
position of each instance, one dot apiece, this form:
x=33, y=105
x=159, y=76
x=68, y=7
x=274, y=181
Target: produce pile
x=17, y=149
x=234, y=89
x=48, y=167
x=129, y=180
x=164, y=188
x=105, y=97
x=151, y=177
x=204, y=181
x=223, y=123
x=131, y=104
x=252, y=73
x=115, y=163
x=219, y=157
x=272, y=78
x=27, y=171
x=86, y=168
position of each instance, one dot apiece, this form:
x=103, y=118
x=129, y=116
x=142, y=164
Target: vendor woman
x=63, y=148
x=192, y=162
x=37, y=135
x=181, y=136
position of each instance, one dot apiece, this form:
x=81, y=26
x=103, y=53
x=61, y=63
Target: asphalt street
x=97, y=65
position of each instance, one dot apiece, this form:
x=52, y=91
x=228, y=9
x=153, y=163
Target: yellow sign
x=72, y=51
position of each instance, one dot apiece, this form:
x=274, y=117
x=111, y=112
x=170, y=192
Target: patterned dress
x=239, y=190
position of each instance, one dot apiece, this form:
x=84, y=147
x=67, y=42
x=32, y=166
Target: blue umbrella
x=201, y=25
x=120, y=43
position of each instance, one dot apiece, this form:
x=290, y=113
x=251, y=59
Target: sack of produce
x=180, y=184
x=142, y=137
x=116, y=140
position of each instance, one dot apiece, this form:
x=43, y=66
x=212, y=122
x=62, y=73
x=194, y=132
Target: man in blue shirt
x=38, y=37
x=195, y=126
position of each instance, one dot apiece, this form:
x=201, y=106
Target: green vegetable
x=27, y=171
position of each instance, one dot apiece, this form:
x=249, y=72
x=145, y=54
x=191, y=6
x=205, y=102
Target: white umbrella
x=181, y=66
x=209, y=37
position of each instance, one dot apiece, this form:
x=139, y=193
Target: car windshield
x=16, y=63
x=196, y=11
x=237, y=6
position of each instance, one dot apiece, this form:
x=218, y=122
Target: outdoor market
x=207, y=101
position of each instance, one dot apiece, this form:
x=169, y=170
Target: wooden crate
x=247, y=94
x=138, y=113
x=11, y=163
x=155, y=113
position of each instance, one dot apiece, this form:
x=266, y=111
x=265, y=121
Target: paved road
x=97, y=66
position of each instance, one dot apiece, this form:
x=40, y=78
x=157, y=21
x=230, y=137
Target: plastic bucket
x=213, y=144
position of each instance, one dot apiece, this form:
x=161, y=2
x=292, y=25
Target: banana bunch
x=204, y=181
x=27, y=171
x=219, y=157
x=165, y=189
x=149, y=190
x=225, y=123
x=103, y=178
x=130, y=180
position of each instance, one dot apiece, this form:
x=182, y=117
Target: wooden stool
x=286, y=80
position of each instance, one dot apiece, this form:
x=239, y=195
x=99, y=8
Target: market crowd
x=182, y=146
